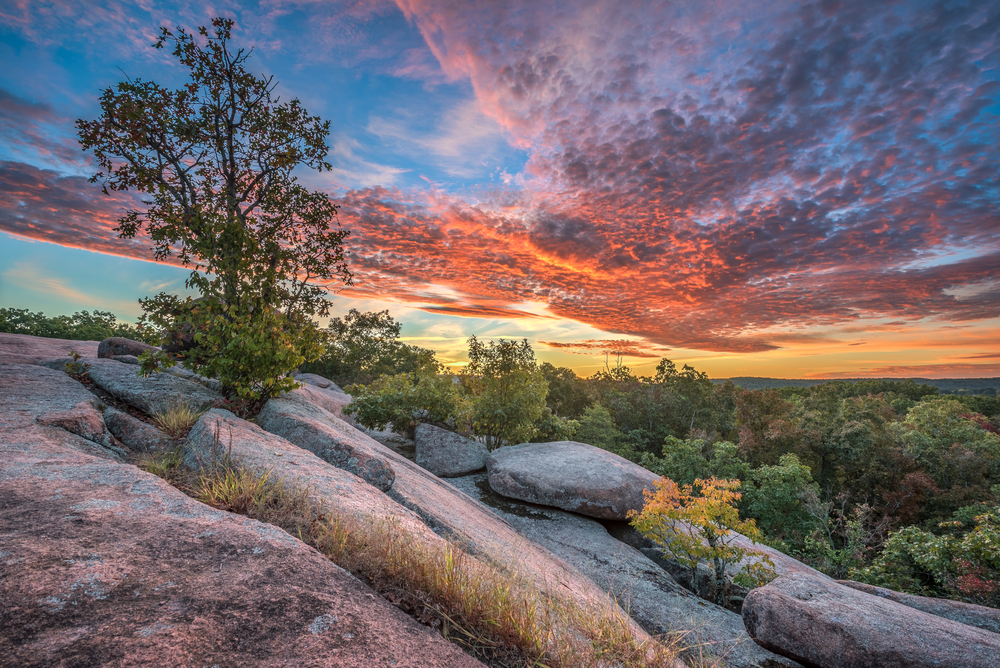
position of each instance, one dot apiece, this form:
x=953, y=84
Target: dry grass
x=492, y=611
x=177, y=420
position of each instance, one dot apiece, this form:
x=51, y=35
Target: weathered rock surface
x=821, y=623
x=137, y=435
x=979, y=616
x=329, y=399
x=572, y=476
x=34, y=396
x=295, y=418
x=152, y=394
x=24, y=349
x=652, y=598
x=118, y=345
x=447, y=454
x=102, y=564
x=456, y=516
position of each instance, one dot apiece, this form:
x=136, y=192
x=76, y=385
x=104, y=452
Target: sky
x=782, y=189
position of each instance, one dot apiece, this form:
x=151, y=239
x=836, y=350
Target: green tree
x=598, y=429
x=81, y=326
x=567, y=392
x=506, y=391
x=215, y=158
x=363, y=346
x=404, y=400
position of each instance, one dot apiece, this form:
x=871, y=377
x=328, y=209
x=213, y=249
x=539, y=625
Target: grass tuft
x=166, y=464
x=177, y=420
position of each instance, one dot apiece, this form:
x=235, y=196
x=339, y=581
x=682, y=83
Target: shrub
x=404, y=400
x=697, y=523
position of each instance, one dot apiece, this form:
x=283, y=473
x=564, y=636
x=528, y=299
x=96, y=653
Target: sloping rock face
x=822, y=623
x=137, y=435
x=220, y=434
x=36, y=397
x=979, y=616
x=572, y=476
x=152, y=394
x=447, y=454
x=118, y=345
x=24, y=349
x=308, y=426
x=103, y=564
x=459, y=518
x=653, y=599
x=330, y=400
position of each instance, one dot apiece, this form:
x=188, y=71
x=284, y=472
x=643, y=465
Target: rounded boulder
x=117, y=346
x=569, y=475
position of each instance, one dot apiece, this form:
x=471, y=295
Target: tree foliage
x=699, y=522
x=362, y=347
x=404, y=400
x=81, y=326
x=215, y=159
x=506, y=391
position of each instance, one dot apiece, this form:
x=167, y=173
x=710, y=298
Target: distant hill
x=987, y=386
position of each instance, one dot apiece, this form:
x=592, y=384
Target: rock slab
x=25, y=349
x=102, y=564
x=569, y=475
x=137, y=435
x=447, y=454
x=293, y=417
x=821, y=623
x=152, y=394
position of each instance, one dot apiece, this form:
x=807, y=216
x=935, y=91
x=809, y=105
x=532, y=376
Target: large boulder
x=295, y=418
x=118, y=345
x=103, y=564
x=979, y=616
x=25, y=349
x=653, y=599
x=447, y=454
x=821, y=623
x=572, y=476
x=329, y=399
x=34, y=396
x=137, y=435
x=153, y=394
x=317, y=381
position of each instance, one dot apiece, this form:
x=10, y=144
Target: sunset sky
x=785, y=189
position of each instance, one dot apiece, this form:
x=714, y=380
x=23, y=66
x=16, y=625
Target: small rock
x=572, y=476
x=821, y=623
x=447, y=454
x=118, y=345
x=137, y=435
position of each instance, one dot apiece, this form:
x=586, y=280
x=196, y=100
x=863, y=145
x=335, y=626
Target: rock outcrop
x=447, y=454
x=37, y=398
x=152, y=394
x=652, y=598
x=293, y=417
x=572, y=476
x=821, y=623
x=118, y=346
x=979, y=616
x=103, y=564
x=456, y=516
